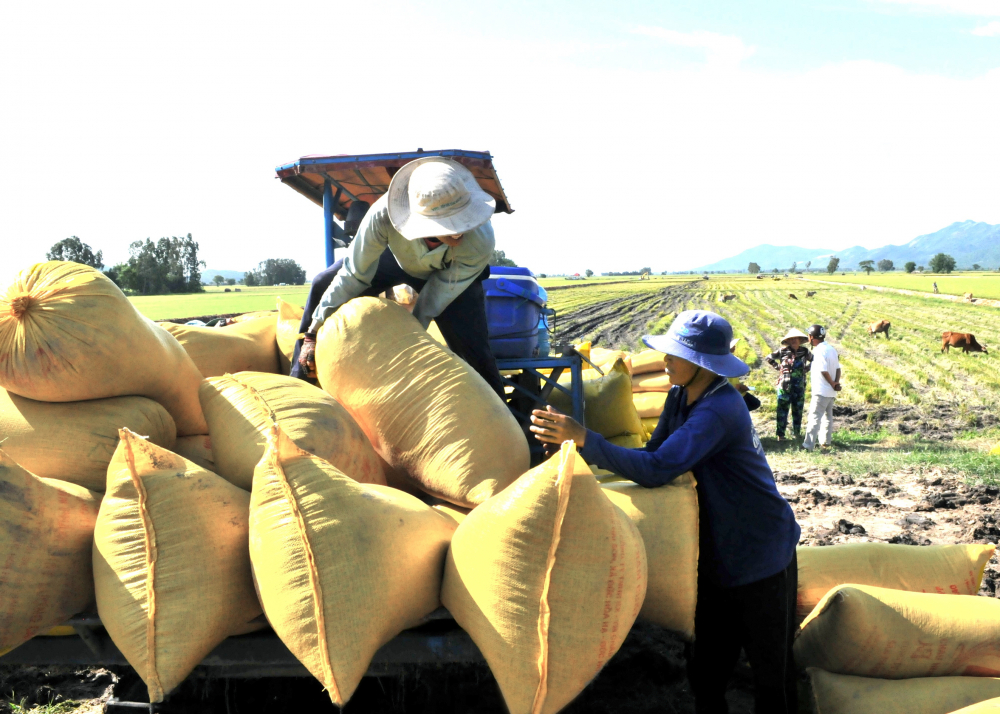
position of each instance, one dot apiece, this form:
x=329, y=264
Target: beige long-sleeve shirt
x=447, y=270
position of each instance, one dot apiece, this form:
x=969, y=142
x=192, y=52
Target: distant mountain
x=968, y=242
x=207, y=276
x=770, y=256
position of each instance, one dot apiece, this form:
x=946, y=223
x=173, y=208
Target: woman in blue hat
x=747, y=572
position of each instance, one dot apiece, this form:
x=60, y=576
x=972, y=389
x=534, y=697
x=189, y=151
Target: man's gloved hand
x=307, y=355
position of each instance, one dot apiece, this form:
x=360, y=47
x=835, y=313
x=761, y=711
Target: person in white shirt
x=825, y=385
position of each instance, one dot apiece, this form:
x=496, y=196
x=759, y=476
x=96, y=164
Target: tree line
x=169, y=265
x=940, y=263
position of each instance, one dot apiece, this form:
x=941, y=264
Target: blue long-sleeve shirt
x=747, y=530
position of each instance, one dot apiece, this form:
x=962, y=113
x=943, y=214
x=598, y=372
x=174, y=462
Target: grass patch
x=64, y=707
x=856, y=455
x=846, y=437
x=216, y=302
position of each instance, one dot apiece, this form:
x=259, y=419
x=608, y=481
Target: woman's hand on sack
x=551, y=426
x=307, y=356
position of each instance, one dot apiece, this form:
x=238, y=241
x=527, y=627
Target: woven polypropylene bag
x=667, y=519
x=289, y=320
x=608, y=407
x=74, y=441
x=547, y=578
x=171, y=562
x=424, y=409
x=342, y=567
x=241, y=408
x=46, y=531
x=649, y=405
x=648, y=361
x=895, y=634
x=846, y=694
x=248, y=346
x=67, y=333
x=943, y=569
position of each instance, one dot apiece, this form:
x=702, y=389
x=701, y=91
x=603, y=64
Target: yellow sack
x=844, y=694
x=341, y=567
x=46, y=531
x=434, y=331
x=424, y=410
x=197, y=450
x=608, y=407
x=990, y=705
x=894, y=634
x=943, y=569
x=248, y=316
x=248, y=346
x=652, y=382
x=649, y=424
x=547, y=578
x=606, y=358
x=995, y=450
x=629, y=441
x=584, y=349
x=74, y=441
x=649, y=405
x=667, y=519
x=648, y=361
x=287, y=332
x=171, y=562
x=67, y=333
x=241, y=408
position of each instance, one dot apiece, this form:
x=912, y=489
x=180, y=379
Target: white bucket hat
x=436, y=196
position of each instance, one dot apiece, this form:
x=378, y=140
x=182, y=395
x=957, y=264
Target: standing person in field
x=792, y=362
x=747, y=571
x=431, y=230
x=825, y=385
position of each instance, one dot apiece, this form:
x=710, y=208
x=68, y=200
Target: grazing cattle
x=792, y=296
x=760, y=277
x=965, y=340
x=879, y=326
x=727, y=298
x=810, y=293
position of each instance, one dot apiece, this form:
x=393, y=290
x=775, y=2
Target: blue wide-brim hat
x=702, y=338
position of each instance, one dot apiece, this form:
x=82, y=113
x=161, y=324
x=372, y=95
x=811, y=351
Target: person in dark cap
x=747, y=571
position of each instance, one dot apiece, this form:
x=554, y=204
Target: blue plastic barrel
x=513, y=308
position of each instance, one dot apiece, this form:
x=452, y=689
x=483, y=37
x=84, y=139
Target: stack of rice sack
x=132, y=483
x=894, y=628
x=650, y=384
x=608, y=407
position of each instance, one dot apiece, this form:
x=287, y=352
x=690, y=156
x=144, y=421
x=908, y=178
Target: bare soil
x=619, y=321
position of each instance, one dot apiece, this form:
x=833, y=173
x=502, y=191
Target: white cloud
x=956, y=7
x=991, y=29
x=720, y=50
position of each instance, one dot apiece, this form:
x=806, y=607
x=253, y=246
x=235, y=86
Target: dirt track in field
x=619, y=321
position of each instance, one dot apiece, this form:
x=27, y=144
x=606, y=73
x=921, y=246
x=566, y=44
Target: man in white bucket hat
x=431, y=230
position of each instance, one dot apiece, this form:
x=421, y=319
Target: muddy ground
x=612, y=323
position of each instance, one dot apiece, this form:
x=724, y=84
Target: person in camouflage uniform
x=792, y=362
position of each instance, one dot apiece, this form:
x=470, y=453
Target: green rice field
x=980, y=284
x=215, y=301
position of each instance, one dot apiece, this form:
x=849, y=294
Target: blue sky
x=669, y=134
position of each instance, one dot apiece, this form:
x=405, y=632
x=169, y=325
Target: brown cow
x=810, y=293
x=727, y=298
x=965, y=340
x=792, y=296
x=879, y=326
